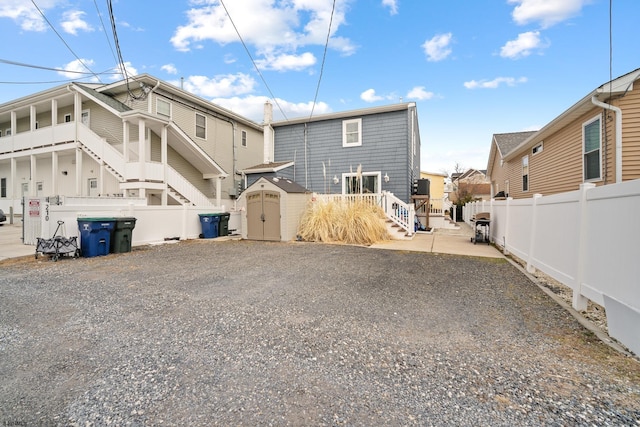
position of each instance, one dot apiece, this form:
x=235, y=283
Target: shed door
x=263, y=215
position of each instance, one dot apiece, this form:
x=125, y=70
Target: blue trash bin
x=209, y=223
x=95, y=235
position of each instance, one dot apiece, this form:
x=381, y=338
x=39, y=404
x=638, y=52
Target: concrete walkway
x=443, y=241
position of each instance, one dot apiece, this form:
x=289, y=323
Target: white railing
x=108, y=154
x=586, y=239
x=144, y=171
x=396, y=210
x=38, y=138
x=186, y=189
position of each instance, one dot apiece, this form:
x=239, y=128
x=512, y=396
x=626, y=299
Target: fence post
x=579, y=302
x=506, y=225
x=532, y=234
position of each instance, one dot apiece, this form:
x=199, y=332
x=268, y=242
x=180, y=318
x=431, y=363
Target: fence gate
x=263, y=215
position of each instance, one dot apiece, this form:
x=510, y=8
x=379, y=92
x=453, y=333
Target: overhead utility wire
x=252, y=61
x=104, y=29
x=63, y=40
x=121, y=64
x=61, y=70
x=324, y=56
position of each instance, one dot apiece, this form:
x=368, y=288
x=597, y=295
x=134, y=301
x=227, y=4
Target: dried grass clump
x=343, y=221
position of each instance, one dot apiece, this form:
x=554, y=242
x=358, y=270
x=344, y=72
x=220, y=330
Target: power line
x=63, y=40
x=324, y=56
x=105, y=31
x=252, y=61
x=60, y=70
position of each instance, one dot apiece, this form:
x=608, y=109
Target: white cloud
x=392, y=5
x=78, y=69
x=369, y=95
x=25, y=14
x=495, y=83
x=219, y=86
x=522, y=46
x=269, y=26
x=546, y=12
x=73, y=21
x=287, y=62
x=420, y=94
x=438, y=48
x=252, y=107
x=169, y=69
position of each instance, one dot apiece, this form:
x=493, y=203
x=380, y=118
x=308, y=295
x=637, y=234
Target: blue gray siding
x=386, y=148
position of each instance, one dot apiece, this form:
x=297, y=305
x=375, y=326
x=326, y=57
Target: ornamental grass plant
x=343, y=221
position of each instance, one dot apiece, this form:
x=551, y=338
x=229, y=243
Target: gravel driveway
x=247, y=333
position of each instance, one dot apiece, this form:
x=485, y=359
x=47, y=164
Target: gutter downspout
x=618, y=112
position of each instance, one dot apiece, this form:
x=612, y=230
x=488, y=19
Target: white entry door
x=93, y=187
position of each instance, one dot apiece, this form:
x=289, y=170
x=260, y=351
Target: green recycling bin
x=223, y=228
x=122, y=235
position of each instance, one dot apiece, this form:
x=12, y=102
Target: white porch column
x=142, y=148
x=14, y=119
x=102, y=174
x=164, y=159
x=54, y=112
x=125, y=140
x=219, y=191
x=54, y=172
x=32, y=175
x=78, y=171
x=32, y=117
x=12, y=188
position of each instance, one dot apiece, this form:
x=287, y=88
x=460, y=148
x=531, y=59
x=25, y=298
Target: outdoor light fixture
x=64, y=172
x=335, y=179
x=386, y=178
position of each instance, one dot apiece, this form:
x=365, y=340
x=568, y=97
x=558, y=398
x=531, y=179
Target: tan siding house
x=596, y=140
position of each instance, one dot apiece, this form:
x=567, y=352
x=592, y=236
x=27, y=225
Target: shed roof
x=285, y=184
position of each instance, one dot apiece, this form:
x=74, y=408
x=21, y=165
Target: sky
x=473, y=67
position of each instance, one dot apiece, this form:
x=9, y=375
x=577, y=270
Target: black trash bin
x=223, y=228
x=122, y=235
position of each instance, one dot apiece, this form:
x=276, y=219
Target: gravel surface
x=206, y=333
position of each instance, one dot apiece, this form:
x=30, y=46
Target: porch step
x=396, y=232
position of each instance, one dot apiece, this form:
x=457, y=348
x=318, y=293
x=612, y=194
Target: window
x=37, y=125
x=201, y=126
x=591, y=135
x=352, y=133
x=537, y=149
x=163, y=107
x=3, y=187
x=368, y=183
x=525, y=173
x=244, y=138
x=67, y=118
x=7, y=132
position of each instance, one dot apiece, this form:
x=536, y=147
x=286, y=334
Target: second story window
x=244, y=138
x=591, y=136
x=525, y=173
x=201, y=126
x=163, y=107
x=352, y=133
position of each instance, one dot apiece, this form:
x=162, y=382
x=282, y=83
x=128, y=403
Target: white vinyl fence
x=588, y=240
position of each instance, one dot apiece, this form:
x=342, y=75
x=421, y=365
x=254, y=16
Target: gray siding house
x=323, y=153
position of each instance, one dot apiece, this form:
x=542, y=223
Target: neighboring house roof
x=267, y=167
x=506, y=142
x=285, y=184
x=434, y=173
x=616, y=87
x=107, y=100
x=345, y=114
x=151, y=83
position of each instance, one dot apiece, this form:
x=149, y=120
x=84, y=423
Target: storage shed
x=273, y=207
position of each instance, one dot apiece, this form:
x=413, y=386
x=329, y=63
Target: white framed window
x=366, y=183
x=201, y=126
x=537, y=148
x=592, y=149
x=244, y=138
x=67, y=118
x=525, y=173
x=86, y=118
x=163, y=107
x=352, y=133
